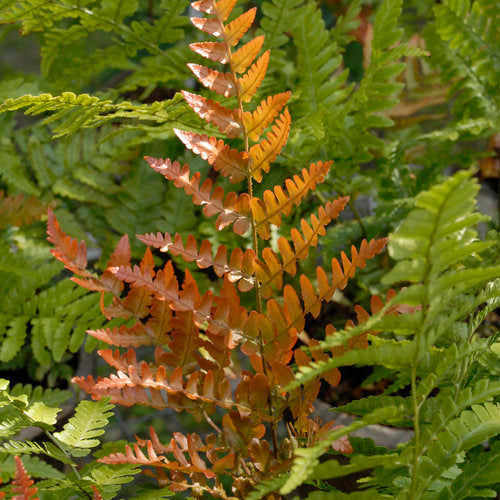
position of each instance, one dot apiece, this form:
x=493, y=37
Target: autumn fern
x=196, y=335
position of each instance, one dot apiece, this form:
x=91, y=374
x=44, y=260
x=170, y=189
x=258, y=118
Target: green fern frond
x=266, y=487
x=471, y=428
x=388, y=353
x=280, y=16
x=318, y=58
x=86, y=19
x=34, y=467
x=356, y=495
x=480, y=471
x=82, y=111
x=471, y=29
x=30, y=448
x=81, y=430
x=434, y=239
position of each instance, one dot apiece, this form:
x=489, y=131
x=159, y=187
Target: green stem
x=63, y=451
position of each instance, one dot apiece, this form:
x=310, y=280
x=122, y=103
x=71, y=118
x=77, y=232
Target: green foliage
x=25, y=407
x=74, y=112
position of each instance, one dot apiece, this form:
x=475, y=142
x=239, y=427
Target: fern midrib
x=257, y=286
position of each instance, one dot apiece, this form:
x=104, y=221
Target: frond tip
x=22, y=483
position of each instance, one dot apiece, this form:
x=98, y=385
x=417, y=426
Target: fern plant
x=215, y=331
x=195, y=334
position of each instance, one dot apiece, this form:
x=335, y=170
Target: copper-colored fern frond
x=228, y=121
x=232, y=209
x=22, y=484
x=184, y=344
x=270, y=269
x=183, y=457
x=95, y=493
x=152, y=386
x=119, y=361
x=290, y=317
x=226, y=319
x=221, y=8
x=229, y=162
x=265, y=152
x=72, y=253
x=124, y=336
x=20, y=210
x=239, y=269
x=221, y=83
x=215, y=51
x=268, y=210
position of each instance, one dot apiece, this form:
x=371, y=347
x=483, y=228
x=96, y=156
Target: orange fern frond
x=95, y=493
x=216, y=51
x=222, y=8
x=186, y=457
x=22, y=483
x=289, y=318
x=237, y=28
x=72, y=253
x=118, y=360
x=277, y=202
x=229, y=162
x=226, y=318
x=120, y=257
x=245, y=55
x=265, y=152
x=232, y=209
x=20, y=210
x=221, y=83
x=124, y=336
x=270, y=269
x=256, y=121
x=144, y=385
x=253, y=391
x=184, y=343
x=226, y=120
x=240, y=268
x=250, y=82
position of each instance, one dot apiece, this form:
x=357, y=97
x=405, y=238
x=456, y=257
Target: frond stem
x=257, y=286
x=74, y=469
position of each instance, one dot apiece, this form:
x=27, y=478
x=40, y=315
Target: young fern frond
x=80, y=432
